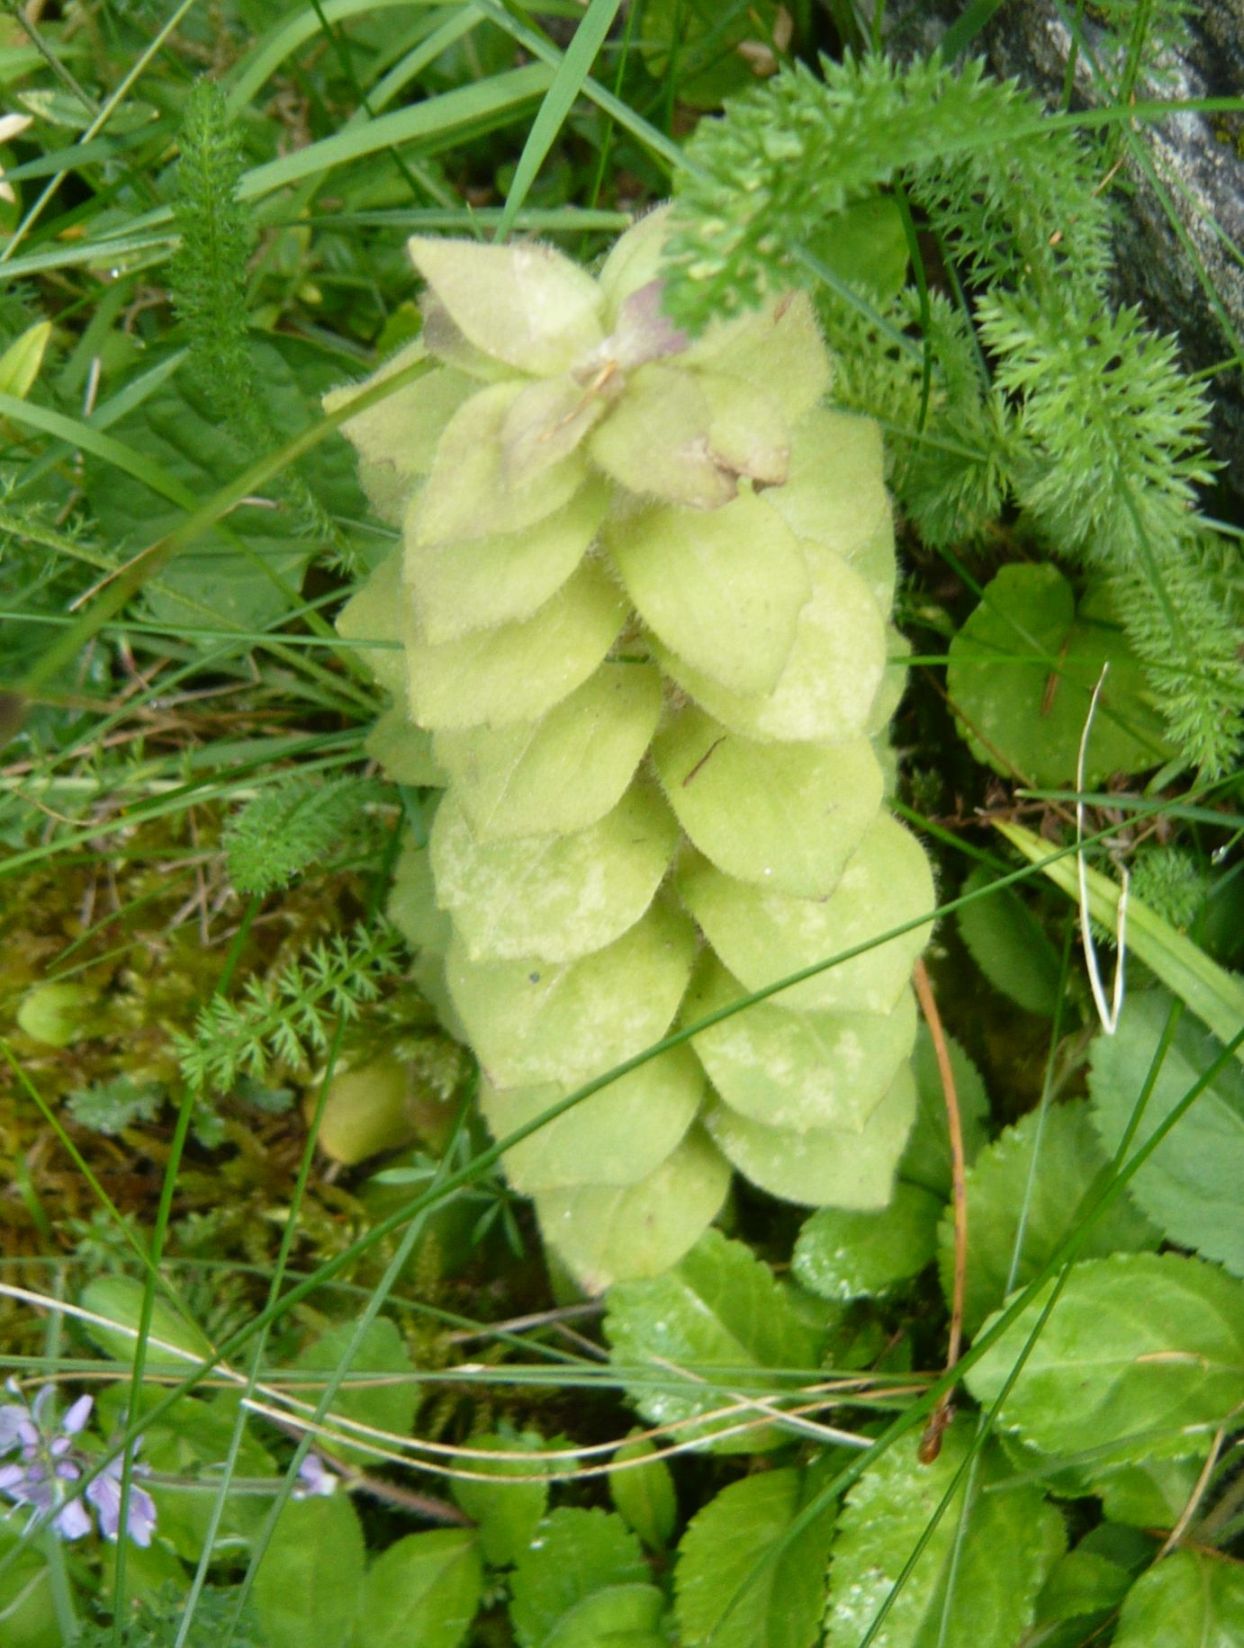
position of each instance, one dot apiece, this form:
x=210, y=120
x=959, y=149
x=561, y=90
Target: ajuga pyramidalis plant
x=642, y=596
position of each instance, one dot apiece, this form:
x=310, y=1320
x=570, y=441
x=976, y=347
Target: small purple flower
x=314, y=1478
x=104, y=1494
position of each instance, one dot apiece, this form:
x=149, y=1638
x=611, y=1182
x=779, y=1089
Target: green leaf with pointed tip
x=841, y=1167
x=641, y=1486
x=1009, y=945
x=374, y=614
x=526, y=305
x=534, y=1021
x=926, y=1161
x=1141, y=1350
x=797, y=1070
x=470, y=493
x=119, y=1300
x=720, y=1307
x=382, y=1404
x=1189, y=1597
x=574, y=1555
x=785, y=816
x=502, y=578
x=300, y=1596
x=517, y=672
x=617, y=1137
x=1190, y=1186
x=606, y=1234
x=761, y=937
x=1022, y=673
x=835, y=495
x=564, y=772
x=554, y=896
x=425, y=1588
x=737, y=1536
x=505, y=1512
x=547, y=422
x=833, y=671
x=654, y=441
x=723, y=589
x=998, y=1562
x=621, y=1616
x=777, y=348
x=1069, y=1171
x=634, y=260
x=845, y=1255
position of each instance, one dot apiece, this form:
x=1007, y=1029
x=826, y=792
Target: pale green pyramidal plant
x=643, y=594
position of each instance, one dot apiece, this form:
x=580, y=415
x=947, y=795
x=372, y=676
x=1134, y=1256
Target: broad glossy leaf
x=564, y=772
x=722, y=589
x=1022, y=672
x=762, y=937
x=300, y=1595
x=719, y=1308
x=926, y=1161
x=387, y=1405
x=621, y=1616
x=506, y=1512
x=1009, y=945
x=535, y=1021
x=785, y=816
x=517, y=672
x=833, y=671
x=470, y=493
x=554, y=896
x=727, y=1541
x=607, y=1234
x=793, y=1069
x=526, y=305
x=846, y=1255
x=1191, y=1185
x=1071, y=1167
x=841, y=1167
x=373, y=618
x=654, y=441
x=617, y=1137
x=502, y=578
x=1140, y=1349
x=574, y=1554
x=1011, y=1541
x=1191, y=1596
x=425, y=1588
x=641, y=1486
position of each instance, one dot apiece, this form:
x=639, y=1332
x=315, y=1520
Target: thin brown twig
x=939, y=1419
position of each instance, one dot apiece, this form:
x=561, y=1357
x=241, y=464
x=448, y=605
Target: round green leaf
x=373, y=615
x=835, y=1166
x=798, y=1070
x=554, y=896
x=785, y=816
x=534, y=1021
x=563, y=773
x=723, y=588
x=846, y=1255
x=761, y=936
x=1191, y=1596
x=575, y=1555
x=617, y=1137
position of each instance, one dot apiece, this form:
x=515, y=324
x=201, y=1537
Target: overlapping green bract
x=643, y=593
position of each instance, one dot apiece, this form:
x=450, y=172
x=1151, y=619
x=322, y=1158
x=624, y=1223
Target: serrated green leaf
x=617, y=1137
x=1189, y=1597
x=563, y=773
x=309, y=1581
x=554, y=896
x=841, y=1167
x=641, y=1486
x=506, y=1513
x=1147, y=1493
x=1011, y=1541
x=797, y=1070
x=826, y=690
x=654, y=442
x=388, y=1405
x=844, y=1255
x=535, y=1021
x=574, y=1554
x=727, y=1542
x=1082, y=1582
x=1002, y=1187
x=499, y=579
x=1141, y=1350
x=517, y=672
x=424, y=1588
x=723, y=589
x=1009, y=945
x=1022, y=673
x=762, y=936
x=1190, y=1186
x=119, y=1299
x=605, y=1233
x=720, y=1307
x=621, y=1616
x=926, y=1161
x=784, y=816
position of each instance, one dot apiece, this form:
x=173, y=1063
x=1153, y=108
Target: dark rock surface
x=1195, y=167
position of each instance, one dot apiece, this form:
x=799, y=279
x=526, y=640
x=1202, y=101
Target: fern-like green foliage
x=293, y=826
x=1035, y=392
x=288, y=1018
